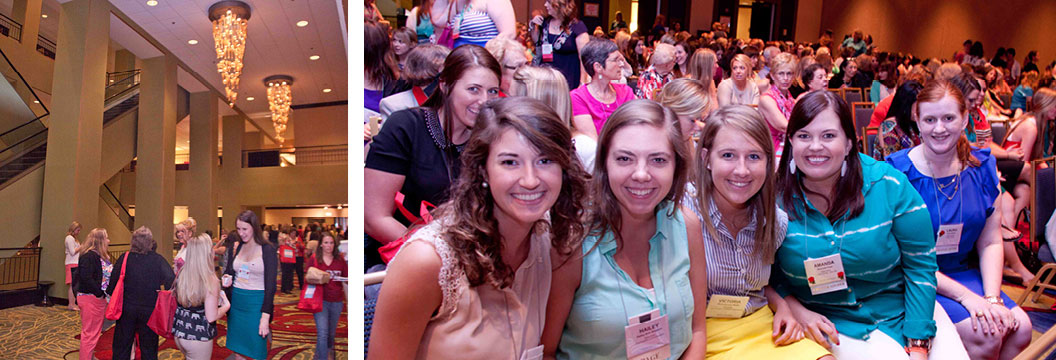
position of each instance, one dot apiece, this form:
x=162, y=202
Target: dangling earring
x=843, y=168
x=792, y=166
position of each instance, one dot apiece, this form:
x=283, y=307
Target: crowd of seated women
x=695, y=197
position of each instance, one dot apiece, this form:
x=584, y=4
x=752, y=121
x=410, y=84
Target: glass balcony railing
x=301, y=155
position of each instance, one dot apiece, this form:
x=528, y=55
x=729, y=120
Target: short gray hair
x=143, y=241
x=596, y=51
x=664, y=53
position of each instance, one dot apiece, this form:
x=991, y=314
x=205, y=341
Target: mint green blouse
x=607, y=296
x=888, y=256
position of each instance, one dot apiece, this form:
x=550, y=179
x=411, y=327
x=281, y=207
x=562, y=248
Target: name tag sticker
x=825, y=274
x=548, y=52
x=726, y=306
x=535, y=353
x=948, y=239
x=649, y=337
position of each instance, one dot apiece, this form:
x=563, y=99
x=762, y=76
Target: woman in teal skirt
x=250, y=279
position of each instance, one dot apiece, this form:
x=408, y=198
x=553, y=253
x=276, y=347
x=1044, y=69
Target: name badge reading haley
x=948, y=239
x=726, y=306
x=648, y=336
x=535, y=353
x=825, y=274
x=548, y=52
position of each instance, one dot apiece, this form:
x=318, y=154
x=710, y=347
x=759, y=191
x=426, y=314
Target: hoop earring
x=792, y=166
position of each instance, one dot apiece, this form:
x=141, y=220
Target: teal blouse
x=607, y=296
x=888, y=256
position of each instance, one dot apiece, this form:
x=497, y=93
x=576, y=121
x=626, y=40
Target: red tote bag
x=388, y=251
x=117, y=299
x=164, y=313
x=311, y=298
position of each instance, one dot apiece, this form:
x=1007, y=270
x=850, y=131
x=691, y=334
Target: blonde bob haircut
x=748, y=121
x=783, y=61
x=546, y=84
x=686, y=97
x=197, y=278
x=744, y=60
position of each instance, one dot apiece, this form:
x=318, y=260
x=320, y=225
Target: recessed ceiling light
x=302, y=23
x=327, y=90
x=152, y=2
x=44, y=16
x=192, y=42
x=313, y=57
x=250, y=98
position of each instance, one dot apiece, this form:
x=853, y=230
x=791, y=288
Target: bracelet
x=916, y=349
x=994, y=300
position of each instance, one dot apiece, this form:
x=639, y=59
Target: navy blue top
x=566, y=59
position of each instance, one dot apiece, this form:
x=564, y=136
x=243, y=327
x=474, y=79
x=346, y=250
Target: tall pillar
x=204, y=130
x=156, y=151
x=231, y=169
x=27, y=13
x=71, y=168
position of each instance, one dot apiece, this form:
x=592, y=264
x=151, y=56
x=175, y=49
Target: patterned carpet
x=30, y=332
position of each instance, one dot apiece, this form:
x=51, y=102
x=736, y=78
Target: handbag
x=164, y=313
x=311, y=298
x=447, y=37
x=317, y=276
x=388, y=251
x=117, y=299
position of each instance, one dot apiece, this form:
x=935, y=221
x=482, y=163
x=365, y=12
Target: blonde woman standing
x=199, y=301
x=71, y=261
x=93, y=277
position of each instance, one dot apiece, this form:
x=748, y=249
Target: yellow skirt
x=749, y=338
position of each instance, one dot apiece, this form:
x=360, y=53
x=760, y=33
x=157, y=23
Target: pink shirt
x=583, y=103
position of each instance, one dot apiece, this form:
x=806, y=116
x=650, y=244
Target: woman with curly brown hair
x=489, y=246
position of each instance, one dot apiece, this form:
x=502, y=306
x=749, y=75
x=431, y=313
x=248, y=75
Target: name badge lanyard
x=509, y=322
x=960, y=209
x=663, y=279
x=664, y=349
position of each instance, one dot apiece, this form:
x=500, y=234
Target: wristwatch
x=918, y=345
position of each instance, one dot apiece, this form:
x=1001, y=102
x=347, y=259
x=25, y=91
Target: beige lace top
x=484, y=322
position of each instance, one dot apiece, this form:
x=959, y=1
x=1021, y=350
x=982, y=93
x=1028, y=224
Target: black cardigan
x=270, y=253
x=90, y=275
x=145, y=275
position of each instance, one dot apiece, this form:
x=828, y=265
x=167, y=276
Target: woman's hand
x=816, y=326
x=265, y=326
x=983, y=314
x=1004, y=316
x=786, y=329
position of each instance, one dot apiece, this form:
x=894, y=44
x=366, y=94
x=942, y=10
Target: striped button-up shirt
x=733, y=267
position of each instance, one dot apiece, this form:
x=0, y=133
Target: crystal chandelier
x=280, y=97
x=229, y=35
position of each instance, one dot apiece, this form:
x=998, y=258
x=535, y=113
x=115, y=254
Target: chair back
x=1006, y=99
x=999, y=130
x=871, y=135
x=368, y=321
x=852, y=95
x=862, y=112
x=1044, y=201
